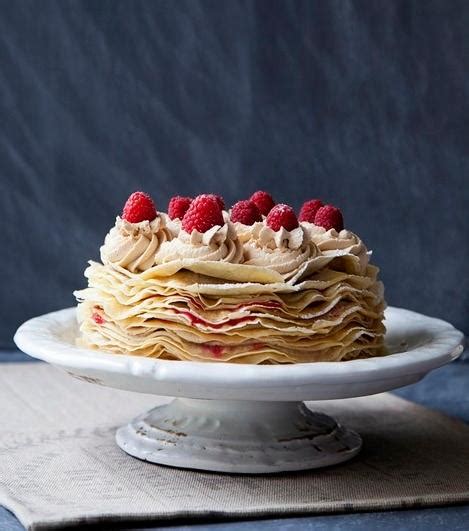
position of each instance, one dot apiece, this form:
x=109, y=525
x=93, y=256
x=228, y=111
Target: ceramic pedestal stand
x=238, y=436
x=245, y=418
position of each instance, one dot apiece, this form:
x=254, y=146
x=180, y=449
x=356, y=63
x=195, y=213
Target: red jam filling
x=195, y=320
x=215, y=350
x=97, y=318
x=198, y=321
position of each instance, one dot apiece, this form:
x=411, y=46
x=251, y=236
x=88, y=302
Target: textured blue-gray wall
x=363, y=104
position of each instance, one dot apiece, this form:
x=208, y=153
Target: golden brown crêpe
x=239, y=294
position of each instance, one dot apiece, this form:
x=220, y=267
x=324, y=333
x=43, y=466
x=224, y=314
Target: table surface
x=444, y=389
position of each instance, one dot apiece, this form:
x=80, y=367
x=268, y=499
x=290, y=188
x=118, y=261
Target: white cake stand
x=245, y=418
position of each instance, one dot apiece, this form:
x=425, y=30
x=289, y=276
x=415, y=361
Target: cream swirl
x=220, y=243
x=133, y=245
x=173, y=225
x=282, y=251
x=338, y=244
x=247, y=232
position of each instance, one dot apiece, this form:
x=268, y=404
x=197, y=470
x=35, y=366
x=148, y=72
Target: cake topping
x=220, y=200
x=263, y=201
x=133, y=245
x=330, y=240
x=139, y=207
x=173, y=225
x=282, y=250
x=329, y=217
x=281, y=239
x=178, y=206
x=219, y=243
x=245, y=212
x=248, y=232
x=203, y=213
x=348, y=249
x=309, y=209
x=282, y=216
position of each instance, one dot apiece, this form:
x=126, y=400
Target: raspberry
x=309, y=209
x=139, y=207
x=203, y=213
x=263, y=201
x=282, y=216
x=178, y=206
x=245, y=212
x=220, y=201
x=329, y=217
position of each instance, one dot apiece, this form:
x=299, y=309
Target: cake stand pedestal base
x=246, y=437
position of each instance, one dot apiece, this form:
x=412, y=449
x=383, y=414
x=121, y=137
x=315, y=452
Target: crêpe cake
x=212, y=285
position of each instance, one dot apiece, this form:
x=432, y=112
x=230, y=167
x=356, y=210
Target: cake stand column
x=248, y=437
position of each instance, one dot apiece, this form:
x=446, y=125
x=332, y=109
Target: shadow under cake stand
x=245, y=418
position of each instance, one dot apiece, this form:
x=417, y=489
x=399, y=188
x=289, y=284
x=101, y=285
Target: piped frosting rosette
x=240, y=294
x=346, y=249
x=218, y=244
x=133, y=245
x=292, y=254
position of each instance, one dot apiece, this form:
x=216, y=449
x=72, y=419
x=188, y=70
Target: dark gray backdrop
x=363, y=104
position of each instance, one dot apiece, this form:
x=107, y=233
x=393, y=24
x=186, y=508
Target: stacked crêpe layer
x=236, y=293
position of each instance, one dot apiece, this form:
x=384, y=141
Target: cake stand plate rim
x=436, y=343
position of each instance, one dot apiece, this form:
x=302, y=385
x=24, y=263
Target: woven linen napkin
x=59, y=464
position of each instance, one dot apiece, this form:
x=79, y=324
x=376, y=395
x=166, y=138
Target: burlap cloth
x=59, y=464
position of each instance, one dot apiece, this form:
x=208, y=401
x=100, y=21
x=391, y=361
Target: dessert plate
x=245, y=418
